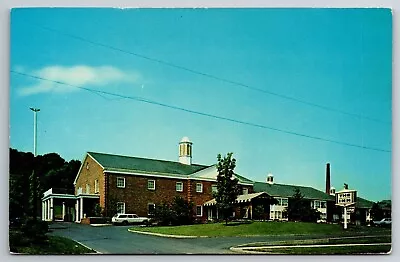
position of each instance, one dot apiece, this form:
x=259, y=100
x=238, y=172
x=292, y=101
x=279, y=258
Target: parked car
x=383, y=222
x=125, y=219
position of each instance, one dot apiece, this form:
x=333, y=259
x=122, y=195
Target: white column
x=51, y=209
x=48, y=209
x=217, y=212
x=81, y=208
x=77, y=211
x=63, y=211
x=43, y=211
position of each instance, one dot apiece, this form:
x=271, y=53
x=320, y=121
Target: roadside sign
x=346, y=199
x=351, y=209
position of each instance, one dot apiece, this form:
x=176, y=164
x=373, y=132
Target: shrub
x=35, y=230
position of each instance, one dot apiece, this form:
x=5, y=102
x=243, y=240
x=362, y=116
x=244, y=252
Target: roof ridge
x=162, y=160
x=291, y=185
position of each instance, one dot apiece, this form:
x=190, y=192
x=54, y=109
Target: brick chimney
x=328, y=178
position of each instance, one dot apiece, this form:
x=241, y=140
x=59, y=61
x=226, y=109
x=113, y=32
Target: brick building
x=138, y=185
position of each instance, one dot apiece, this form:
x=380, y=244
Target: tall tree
x=300, y=209
x=50, y=170
x=227, y=185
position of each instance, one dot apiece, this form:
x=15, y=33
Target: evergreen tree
x=300, y=209
x=227, y=185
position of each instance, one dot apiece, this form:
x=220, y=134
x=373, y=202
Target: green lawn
x=253, y=229
x=54, y=246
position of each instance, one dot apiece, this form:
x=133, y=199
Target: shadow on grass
x=238, y=223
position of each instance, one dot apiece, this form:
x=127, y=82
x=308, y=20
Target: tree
x=376, y=212
x=38, y=173
x=227, y=185
x=300, y=209
x=183, y=211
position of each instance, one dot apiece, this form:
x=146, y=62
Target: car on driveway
x=383, y=222
x=125, y=219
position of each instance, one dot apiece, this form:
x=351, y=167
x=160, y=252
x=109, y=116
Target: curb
x=254, y=250
x=97, y=252
x=162, y=235
x=100, y=225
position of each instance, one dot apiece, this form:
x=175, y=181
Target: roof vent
x=270, y=179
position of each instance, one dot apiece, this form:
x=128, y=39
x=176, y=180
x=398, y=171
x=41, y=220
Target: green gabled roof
x=242, y=179
x=363, y=203
x=144, y=165
x=283, y=190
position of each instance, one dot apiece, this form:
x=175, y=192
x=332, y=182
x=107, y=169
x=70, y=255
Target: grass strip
x=258, y=229
x=55, y=245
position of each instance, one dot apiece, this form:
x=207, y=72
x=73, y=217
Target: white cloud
x=79, y=75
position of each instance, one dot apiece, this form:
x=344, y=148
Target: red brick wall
x=88, y=176
x=136, y=195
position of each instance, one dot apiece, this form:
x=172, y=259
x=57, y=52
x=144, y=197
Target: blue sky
x=338, y=58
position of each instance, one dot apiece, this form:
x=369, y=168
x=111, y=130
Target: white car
x=126, y=219
x=383, y=222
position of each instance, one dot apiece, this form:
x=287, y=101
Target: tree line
x=50, y=171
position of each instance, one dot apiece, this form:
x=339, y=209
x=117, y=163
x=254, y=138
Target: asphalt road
x=117, y=240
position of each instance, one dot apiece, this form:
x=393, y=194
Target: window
x=245, y=191
x=179, y=186
x=317, y=204
x=323, y=204
x=151, y=184
x=199, y=188
x=121, y=182
x=214, y=189
x=199, y=211
x=87, y=165
x=151, y=208
x=121, y=208
x=96, y=186
x=79, y=190
x=279, y=201
x=87, y=189
x=284, y=202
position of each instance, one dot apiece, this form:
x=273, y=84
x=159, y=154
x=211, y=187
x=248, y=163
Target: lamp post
x=35, y=111
x=33, y=178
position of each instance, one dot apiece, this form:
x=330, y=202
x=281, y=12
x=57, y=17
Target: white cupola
x=270, y=179
x=332, y=191
x=185, y=151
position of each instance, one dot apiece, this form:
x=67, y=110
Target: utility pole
x=33, y=178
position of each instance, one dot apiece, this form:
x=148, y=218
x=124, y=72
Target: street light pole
x=35, y=111
x=33, y=178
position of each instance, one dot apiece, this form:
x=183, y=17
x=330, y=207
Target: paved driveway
x=117, y=240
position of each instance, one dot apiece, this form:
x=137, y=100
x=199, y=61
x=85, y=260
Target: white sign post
x=346, y=198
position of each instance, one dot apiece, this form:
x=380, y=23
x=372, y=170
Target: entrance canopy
x=248, y=198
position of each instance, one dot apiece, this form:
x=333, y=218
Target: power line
x=140, y=99
x=282, y=96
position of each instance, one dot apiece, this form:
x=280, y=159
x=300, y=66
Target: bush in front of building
x=179, y=212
